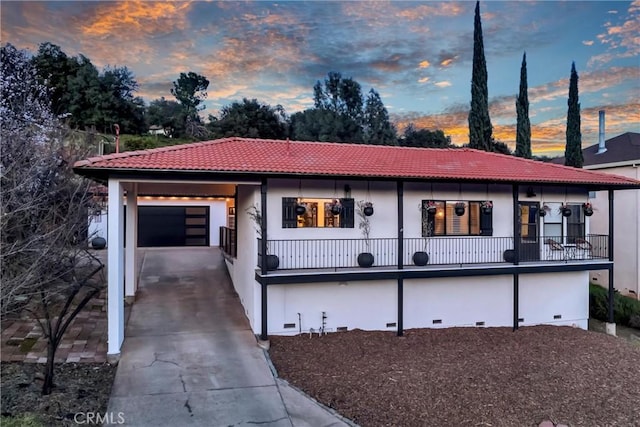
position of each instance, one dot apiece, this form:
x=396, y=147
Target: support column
x=516, y=253
x=610, y=327
x=516, y=224
x=516, y=301
x=263, y=261
x=130, y=263
x=400, y=324
x=115, y=277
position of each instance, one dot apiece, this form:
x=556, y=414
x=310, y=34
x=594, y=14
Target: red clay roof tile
x=256, y=156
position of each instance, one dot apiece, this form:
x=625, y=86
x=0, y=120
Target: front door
x=529, y=231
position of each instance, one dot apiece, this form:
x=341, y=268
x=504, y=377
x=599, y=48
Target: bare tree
x=46, y=269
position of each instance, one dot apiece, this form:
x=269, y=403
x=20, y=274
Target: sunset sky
x=416, y=54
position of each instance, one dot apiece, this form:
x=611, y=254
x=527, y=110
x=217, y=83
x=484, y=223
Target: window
x=439, y=219
x=553, y=222
x=318, y=213
x=575, y=224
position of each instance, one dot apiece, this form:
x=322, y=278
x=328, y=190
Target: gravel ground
x=468, y=376
x=80, y=387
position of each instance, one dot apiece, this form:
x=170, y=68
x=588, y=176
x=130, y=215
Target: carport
x=172, y=211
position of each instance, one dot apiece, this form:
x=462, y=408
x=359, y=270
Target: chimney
x=601, y=144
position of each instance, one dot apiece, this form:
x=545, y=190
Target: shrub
x=634, y=321
x=626, y=311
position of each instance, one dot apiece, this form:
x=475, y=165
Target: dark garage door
x=173, y=226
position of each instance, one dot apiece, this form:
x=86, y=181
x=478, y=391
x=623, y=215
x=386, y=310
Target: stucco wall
x=458, y=301
x=626, y=250
x=546, y=296
x=364, y=305
x=430, y=303
x=244, y=265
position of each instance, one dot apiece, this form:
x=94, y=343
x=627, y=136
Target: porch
x=443, y=252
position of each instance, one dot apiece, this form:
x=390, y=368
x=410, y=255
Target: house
x=500, y=250
x=158, y=130
x=620, y=156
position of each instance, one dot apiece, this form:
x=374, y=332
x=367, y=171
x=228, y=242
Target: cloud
x=426, y=10
x=587, y=42
x=443, y=83
x=424, y=64
x=623, y=39
x=589, y=82
x=385, y=13
x=547, y=136
x=27, y=24
x=423, y=80
x=447, y=62
x=228, y=91
x=135, y=18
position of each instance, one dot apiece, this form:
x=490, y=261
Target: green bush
x=625, y=310
x=23, y=420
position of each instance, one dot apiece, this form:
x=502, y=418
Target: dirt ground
x=468, y=376
x=80, y=388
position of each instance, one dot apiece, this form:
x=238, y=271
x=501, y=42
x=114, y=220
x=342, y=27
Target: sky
x=417, y=55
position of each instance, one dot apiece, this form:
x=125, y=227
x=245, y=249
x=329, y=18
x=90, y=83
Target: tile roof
x=278, y=157
x=622, y=148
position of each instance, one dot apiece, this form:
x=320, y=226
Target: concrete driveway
x=189, y=357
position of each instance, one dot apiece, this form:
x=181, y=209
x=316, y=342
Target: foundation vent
x=437, y=321
x=479, y=323
x=557, y=316
x=289, y=325
x=342, y=329
x=521, y=320
x=391, y=325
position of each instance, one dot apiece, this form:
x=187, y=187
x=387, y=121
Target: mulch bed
x=80, y=387
x=467, y=376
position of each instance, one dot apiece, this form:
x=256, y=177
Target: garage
x=162, y=226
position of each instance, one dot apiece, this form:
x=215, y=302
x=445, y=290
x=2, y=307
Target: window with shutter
x=318, y=213
x=347, y=214
x=486, y=223
x=289, y=218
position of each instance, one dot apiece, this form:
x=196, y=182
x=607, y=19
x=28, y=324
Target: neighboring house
x=158, y=130
x=620, y=156
x=503, y=260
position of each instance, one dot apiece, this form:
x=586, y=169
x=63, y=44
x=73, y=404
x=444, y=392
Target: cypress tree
x=523, y=129
x=573, y=148
x=480, y=130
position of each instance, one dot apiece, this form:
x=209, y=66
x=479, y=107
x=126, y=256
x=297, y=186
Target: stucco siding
x=626, y=250
x=244, y=265
x=544, y=297
x=447, y=302
x=367, y=305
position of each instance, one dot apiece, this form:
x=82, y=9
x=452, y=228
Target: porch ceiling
x=174, y=189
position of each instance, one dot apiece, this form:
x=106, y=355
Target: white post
x=130, y=262
x=115, y=277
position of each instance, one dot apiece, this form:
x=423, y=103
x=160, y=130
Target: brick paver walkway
x=84, y=341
